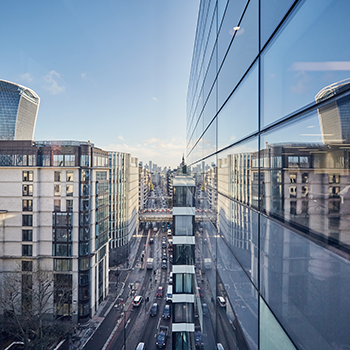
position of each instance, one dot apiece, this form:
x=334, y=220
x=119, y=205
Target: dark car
x=166, y=312
x=154, y=309
x=164, y=245
x=205, y=310
x=199, y=340
x=151, y=241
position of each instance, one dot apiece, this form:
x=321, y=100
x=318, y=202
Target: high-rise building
x=123, y=203
x=268, y=126
x=55, y=220
x=18, y=111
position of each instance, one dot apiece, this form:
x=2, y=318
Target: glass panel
x=238, y=173
x=306, y=287
x=296, y=67
x=183, y=225
x=272, y=12
x=242, y=105
x=242, y=53
x=272, y=336
x=309, y=184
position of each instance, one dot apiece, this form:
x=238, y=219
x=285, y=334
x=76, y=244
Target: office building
x=123, y=203
x=18, y=111
x=54, y=219
x=268, y=125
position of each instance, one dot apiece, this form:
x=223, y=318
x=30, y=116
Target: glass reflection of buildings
x=273, y=162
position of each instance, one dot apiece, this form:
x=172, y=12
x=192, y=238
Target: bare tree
x=30, y=303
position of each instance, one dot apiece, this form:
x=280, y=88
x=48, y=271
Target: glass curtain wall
x=268, y=141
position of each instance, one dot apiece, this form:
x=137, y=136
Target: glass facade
x=268, y=140
x=18, y=111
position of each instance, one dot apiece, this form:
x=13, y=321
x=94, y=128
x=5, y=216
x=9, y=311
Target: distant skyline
x=115, y=74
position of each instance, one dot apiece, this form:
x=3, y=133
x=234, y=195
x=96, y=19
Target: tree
x=29, y=302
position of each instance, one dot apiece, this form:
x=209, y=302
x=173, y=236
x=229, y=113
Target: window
x=57, y=190
x=184, y=283
x=183, y=313
x=69, y=204
x=69, y=160
x=69, y=176
x=27, y=235
x=334, y=178
x=27, y=220
x=27, y=190
x=293, y=208
x=27, y=205
x=305, y=178
x=57, y=176
x=183, y=225
x=62, y=249
x=333, y=207
x=293, y=191
x=58, y=160
x=293, y=178
x=57, y=205
x=84, y=264
x=305, y=207
x=293, y=162
x=27, y=250
x=62, y=264
x=69, y=190
x=84, y=160
x=28, y=176
x=305, y=191
x=334, y=191
x=27, y=266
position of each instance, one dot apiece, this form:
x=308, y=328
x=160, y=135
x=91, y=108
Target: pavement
x=84, y=333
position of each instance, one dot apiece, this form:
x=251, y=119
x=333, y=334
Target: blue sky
x=114, y=72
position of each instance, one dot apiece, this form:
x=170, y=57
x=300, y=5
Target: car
x=137, y=300
x=170, y=258
x=166, y=312
x=221, y=301
x=200, y=293
x=160, y=292
x=164, y=245
x=205, y=310
x=141, y=346
x=171, y=278
x=219, y=346
x=164, y=256
x=151, y=241
x=164, y=239
x=164, y=264
x=170, y=249
x=154, y=309
x=198, y=340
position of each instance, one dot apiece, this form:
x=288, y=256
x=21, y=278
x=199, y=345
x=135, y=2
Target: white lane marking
x=127, y=323
x=158, y=322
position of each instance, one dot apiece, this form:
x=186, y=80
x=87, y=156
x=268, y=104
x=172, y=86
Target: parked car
x=154, y=309
x=171, y=278
x=171, y=258
x=151, y=241
x=137, y=300
x=164, y=256
x=160, y=292
x=221, y=301
x=166, y=312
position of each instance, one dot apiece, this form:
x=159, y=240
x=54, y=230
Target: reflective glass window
x=242, y=53
x=300, y=62
x=239, y=116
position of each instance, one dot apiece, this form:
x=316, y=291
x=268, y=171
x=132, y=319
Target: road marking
x=127, y=323
x=127, y=277
x=158, y=322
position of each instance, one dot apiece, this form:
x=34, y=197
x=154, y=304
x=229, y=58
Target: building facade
x=123, y=203
x=184, y=276
x=268, y=131
x=18, y=111
x=54, y=220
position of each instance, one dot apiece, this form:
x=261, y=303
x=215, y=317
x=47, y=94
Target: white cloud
x=161, y=152
x=83, y=75
x=51, y=83
x=155, y=99
x=121, y=138
x=26, y=77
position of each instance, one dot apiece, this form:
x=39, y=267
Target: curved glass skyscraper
x=18, y=111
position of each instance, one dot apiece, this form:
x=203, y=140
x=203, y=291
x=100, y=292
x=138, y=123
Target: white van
x=169, y=294
x=169, y=232
x=141, y=346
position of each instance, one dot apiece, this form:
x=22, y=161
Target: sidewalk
x=85, y=332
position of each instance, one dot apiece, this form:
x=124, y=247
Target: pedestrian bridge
x=167, y=216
